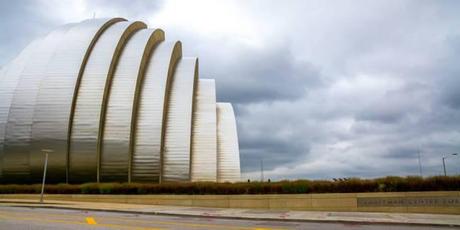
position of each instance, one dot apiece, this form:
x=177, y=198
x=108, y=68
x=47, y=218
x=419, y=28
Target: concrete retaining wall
x=402, y=202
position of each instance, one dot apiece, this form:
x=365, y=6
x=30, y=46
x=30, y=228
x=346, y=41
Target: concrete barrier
x=401, y=202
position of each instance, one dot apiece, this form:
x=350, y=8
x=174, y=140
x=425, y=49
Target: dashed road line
x=90, y=220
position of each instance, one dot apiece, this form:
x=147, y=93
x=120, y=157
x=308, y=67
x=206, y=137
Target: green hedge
x=386, y=184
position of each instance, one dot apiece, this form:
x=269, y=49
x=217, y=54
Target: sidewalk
x=278, y=215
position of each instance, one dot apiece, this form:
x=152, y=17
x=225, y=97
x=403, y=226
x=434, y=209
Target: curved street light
x=444, y=161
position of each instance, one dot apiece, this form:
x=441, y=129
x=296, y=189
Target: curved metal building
x=112, y=101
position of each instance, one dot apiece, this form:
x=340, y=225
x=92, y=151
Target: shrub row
x=386, y=184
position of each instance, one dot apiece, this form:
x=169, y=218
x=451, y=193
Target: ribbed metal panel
x=9, y=79
x=228, y=154
x=50, y=129
x=115, y=154
x=91, y=97
x=176, y=155
x=151, y=112
x=20, y=118
x=114, y=104
x=204, y=137
x=4, y=110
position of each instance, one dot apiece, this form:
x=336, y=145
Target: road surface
x=42, y=218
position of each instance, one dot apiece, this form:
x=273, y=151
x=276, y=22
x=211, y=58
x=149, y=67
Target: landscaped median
x=390, y=194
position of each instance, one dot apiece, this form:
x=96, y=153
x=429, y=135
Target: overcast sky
x=322, y=89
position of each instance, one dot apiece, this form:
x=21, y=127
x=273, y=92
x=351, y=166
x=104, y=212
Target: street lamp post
x=444, y=162
x=45, y=166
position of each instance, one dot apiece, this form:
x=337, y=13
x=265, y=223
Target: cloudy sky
x=322, y=89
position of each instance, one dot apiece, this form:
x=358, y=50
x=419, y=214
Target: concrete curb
x=229, y=217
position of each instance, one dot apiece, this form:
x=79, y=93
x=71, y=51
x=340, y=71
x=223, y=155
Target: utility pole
x=420, y=164
x=444, y=161
x=444, y=165
x=261, y=170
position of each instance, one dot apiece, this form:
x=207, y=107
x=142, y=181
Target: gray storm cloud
x=321, y=90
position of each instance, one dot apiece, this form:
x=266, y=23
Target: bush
x=347, y=185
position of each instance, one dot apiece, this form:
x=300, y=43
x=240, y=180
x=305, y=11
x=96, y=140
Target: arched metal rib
x=228, y=154
x=9, y=80
x=55, y=100
x=151, y=112
x=88, y=119
x=176, y=162
x=204, y=137
x=18, y=136
x=116, y=146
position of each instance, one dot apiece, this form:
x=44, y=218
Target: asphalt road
x=41, y=218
